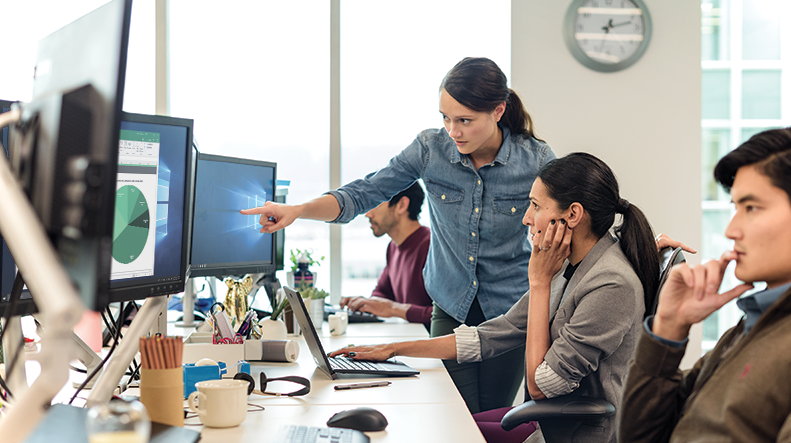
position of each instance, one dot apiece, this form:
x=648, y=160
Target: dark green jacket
x=738, y=392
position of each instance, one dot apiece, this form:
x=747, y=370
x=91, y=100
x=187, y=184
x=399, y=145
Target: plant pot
x=316, y=311
x=272, y=329
x=290, y=279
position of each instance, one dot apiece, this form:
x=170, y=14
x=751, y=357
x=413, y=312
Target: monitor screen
x=152, y=207
x=224, y=242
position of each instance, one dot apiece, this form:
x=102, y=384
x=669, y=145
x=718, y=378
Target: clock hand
x=619, y=24
x=607, y=27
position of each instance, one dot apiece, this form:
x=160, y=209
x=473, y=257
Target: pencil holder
x=162, y=392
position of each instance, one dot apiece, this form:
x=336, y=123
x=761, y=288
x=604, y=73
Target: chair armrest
x=572, y=408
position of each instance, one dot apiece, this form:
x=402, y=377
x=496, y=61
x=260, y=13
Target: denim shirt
x=479, y=246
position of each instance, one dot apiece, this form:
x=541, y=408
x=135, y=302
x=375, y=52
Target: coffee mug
x=220, y=403
x=338, y=323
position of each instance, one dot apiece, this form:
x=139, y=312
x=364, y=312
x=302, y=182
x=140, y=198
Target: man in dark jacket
x=741, y=390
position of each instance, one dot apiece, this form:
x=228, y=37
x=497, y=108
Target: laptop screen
x=309, y=331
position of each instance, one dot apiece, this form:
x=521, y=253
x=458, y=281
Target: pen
x=362, y=385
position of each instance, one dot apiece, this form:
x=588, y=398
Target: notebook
x=309, y=434
x=339, y=365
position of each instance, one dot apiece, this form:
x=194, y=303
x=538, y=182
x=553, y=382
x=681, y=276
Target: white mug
x=220, y=403
x=338, y=323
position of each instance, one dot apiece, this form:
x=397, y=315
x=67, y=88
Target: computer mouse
x=360, y=419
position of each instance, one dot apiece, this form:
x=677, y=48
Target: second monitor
x=225, y=242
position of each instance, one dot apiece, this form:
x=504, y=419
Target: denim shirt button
x=474, y=283
x=473, y=234
x=443, y=196
x=472, y=259
x=513, y=209
x=476, y=210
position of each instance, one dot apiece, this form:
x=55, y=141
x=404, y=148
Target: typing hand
x=691, y=294
x=274, y=216
x=372, y=352
x=378, y=306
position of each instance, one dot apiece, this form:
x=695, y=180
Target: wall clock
x=607, y=35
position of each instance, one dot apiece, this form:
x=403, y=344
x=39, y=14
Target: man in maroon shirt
x=400, y=291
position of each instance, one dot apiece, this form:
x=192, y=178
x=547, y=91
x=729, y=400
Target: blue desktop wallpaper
x=173, y=151
x=220, y=235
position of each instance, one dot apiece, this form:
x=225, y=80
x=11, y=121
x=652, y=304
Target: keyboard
x=351, y=364
x=307, y=434
x=354, y=316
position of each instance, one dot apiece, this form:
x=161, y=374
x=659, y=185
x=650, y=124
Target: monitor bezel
x=240, y=268
x=140, y=289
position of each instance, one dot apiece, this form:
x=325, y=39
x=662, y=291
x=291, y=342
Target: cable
x=16, y=294
x=104, y=361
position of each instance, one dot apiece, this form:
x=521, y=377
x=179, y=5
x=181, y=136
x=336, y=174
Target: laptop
x=339, y=365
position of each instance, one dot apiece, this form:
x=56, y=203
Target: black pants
x=485, y=385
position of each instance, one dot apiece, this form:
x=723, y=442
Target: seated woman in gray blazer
x=584, y=310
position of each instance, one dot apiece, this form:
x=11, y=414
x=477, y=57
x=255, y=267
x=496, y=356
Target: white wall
x=643, y=121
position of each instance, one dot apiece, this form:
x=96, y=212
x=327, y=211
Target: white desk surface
x=426, y=407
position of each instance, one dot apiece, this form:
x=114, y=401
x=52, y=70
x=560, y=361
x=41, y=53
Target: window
x=393, y=58
x=744, y=68
x=242, y=71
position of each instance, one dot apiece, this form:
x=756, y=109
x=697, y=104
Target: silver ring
x=543, y=249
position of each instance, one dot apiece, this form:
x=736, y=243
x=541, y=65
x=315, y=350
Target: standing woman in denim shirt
x=478, y=171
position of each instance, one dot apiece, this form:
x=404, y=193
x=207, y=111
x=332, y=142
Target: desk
x=423, y=408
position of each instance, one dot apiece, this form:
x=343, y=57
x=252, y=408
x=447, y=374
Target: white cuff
x=550, y=383
x=468, y=344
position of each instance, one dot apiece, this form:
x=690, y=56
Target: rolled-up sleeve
x=468, y=344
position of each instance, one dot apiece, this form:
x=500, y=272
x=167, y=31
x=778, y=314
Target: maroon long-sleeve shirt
x=402, y=278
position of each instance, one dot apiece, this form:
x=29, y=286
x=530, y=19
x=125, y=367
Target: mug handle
x=201, y=397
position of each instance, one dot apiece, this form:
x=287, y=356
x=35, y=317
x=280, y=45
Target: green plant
x=277, y=310
x=312, y=293
x=296, y=253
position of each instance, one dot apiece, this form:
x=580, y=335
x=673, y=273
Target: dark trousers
x=485, y=385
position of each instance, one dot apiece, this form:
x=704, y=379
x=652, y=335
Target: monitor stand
x=115, y=369
x=89, y=358
x=188, y=305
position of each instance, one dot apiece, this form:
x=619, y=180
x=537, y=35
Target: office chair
x=570, y=409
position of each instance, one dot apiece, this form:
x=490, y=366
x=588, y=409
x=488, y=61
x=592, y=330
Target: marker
x=373, y=384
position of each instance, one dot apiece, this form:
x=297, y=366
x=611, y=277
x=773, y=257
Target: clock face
x=607, y=35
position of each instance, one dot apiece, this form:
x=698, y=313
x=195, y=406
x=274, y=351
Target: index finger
x=252, y=211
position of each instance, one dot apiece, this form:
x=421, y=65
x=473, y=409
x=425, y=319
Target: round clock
x=607, y=35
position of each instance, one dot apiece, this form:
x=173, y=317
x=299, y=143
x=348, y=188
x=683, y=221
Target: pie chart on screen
x=132, y=222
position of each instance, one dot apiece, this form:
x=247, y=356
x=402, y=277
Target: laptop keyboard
x=347, y=363
x=307, y=434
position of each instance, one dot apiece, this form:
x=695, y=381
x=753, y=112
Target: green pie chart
x=132, y=222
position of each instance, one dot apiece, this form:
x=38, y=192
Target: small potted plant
x=272, y=327
x=295, y=256
x=314, y=301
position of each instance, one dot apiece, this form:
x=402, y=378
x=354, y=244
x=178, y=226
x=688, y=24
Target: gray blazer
x=595, y=321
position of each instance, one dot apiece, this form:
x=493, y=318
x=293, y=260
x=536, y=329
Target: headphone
x=263, y=381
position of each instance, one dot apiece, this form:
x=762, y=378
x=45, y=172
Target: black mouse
x=360, y=419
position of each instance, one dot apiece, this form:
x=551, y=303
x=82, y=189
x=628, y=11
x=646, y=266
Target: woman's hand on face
x=274, y=216
x=550, y=249
x=372, y=352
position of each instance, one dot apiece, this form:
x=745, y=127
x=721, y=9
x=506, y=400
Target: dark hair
x=583, y=178
x=415, y=195
x=768, y=151
x=479, y=84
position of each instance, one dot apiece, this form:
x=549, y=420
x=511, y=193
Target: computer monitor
x=225, y=242
x=7, y=265
x=64, y=150
x=153, y=207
